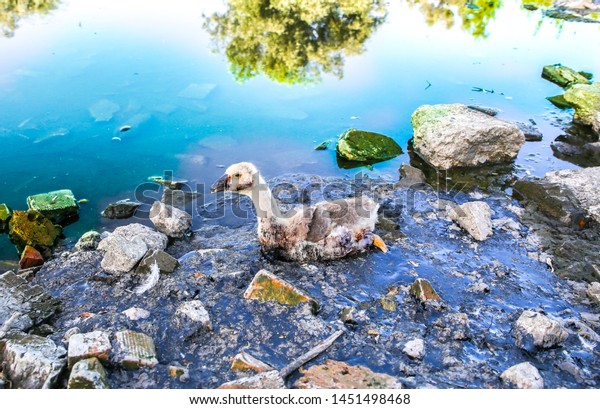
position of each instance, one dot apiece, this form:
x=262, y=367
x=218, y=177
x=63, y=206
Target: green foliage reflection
x=11, y=11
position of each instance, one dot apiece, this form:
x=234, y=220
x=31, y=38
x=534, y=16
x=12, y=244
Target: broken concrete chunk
x=58, y=206
x=246, y=362
x=88, y=374
x=268, y=287
x=91, y=344
x=339, y=375
x=475, y=218
x=134, y=350
x=423, y=291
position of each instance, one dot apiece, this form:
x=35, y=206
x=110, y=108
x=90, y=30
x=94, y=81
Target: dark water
x=72, y=73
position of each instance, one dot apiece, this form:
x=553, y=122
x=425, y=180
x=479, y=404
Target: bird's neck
x=265, y=203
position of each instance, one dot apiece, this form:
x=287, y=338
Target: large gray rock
x=153, y=239
x=522, y=376
x=536, y=330
x=121, y=254
x=475, y=218
x=88, y=374
x=123, y=209
x=170, y=220
x=31, y=362
x=452, y=135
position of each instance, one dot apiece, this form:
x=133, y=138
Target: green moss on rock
x=58, y=206
x=563, y=76
x=559, y=101
x=31, y=228
x=268, y=287
x=363, y=146
x=586, y=101
x=5, y=215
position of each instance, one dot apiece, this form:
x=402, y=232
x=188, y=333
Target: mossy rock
x=5, y=215
x=559, y=101
x=363, y=146
x=586, y=101
x=31, y=228
x=268, y=287
x=58, y=206
x=423, y=291
x=564, y=76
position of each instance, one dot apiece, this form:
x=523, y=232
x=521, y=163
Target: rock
x=246, y=362
x=30, y=258
x=415, y=348
x=58, y=206
x=322, y=146
x=586, y=101
x=69, y=333
x=32, y=304
x=153, y=239
x=267, y=287
x=565, y=195
x=170, y=183
x=179, y=372
x=534, y=329
x=523, y=376
x=453, y=326
x=478, y=287
x=563, y=76
x=452, y=135
x=31, y=228
x=531, y=132
x=423, y=291
x=165, y=262
x=339, y=375
x=593, y=147
x=91, y=344
x=178, y=198
x=134, y=350
x=411, y=177
x=5, y=215
x=192, y=317
x=486, y=110
x=123, y=209
x=168, y=219
x=135, y=313
x=388, y=302
x=559, y=101
x=32, y=362
x=89, y=241
x=88, y=374
x=475, y=218
x=264, y=380
x=121, y=254
x=593, y=291
x=363, y=146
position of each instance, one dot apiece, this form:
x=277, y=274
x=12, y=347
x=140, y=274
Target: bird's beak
x=220, y=185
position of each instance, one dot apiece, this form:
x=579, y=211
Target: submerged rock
x=531, y=132
x=58, y=206
x=586, y=101
x=32, y=228
x=94, y=344
x=134, y=350
x=563, y=76
x=322, y=146
x=264, y=380
x=88, y=374
x=173, y=184
x=559, y=101
x=246, y=362
x=534, y=329
x=32, y=362
x=5, y=215
x=523, y=376
x=411, y=176
x=88, y=241
x=123, y=209
x=103, y=110
x=267, y=287
x=363, y=146
x=30, y=258
x=339, y=375
x=179, y=199
x=165, y=262
x=170, y=220
x=423, y=291
x=475, y=218
x=452, y=135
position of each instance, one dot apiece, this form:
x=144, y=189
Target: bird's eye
x=237, y=175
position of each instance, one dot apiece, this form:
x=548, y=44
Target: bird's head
x=240, y=178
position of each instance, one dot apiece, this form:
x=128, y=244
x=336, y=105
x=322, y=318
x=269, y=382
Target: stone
x=31, y=361
x=170, y=183
x=134, y=350
x=152, y=238
x=121, y=254
x=31, y=228
x=559, y=101
x=264, y=380
x=593, y=147
x=179, y=199
x=532, y=133
x=388, y=302
x=123, y=209
x=192, y=317
x=135, y=313
x=475, y=218
x=30, y=258
x=246, y=362
x=411, y=176
x=586, y=101
x=423, y=291
x=536, y=330
x=32, y=304
x=563, y=76
x=58, y=206
x=165, y=262
x=491, y=111
x=69, y=333
x=322, y=146
x=91, y=344
x=453, y=326
x=265, y=286
x=593, y=291
x=88, y=241
x=452, y=135
x=340, y=375
x=5, y=215
x=170, y=220
x=522, y=376
x=88, y=374
x=415, y=348
x=363, y=146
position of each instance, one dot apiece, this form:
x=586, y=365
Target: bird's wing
x=319, y=225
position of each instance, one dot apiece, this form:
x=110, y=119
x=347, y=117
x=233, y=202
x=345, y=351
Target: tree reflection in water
x=11, y=11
